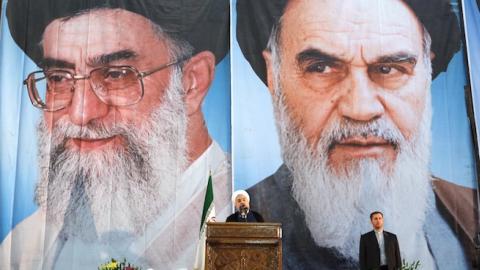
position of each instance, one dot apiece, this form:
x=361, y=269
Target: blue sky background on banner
x=256, y=153
x=18, y=165
x=472, y=28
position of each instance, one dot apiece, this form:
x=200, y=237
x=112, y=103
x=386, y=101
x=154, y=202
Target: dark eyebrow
x=397, y=58
x=103, y=59
x=106, y=59
x=56, y=63
x=309, y=55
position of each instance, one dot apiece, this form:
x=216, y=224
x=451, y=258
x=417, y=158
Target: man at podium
x=241, y=200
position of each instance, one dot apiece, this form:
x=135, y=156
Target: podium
x=243, y=246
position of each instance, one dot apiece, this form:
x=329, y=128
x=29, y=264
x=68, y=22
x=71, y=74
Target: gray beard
x=118, y=190
x=337, y=203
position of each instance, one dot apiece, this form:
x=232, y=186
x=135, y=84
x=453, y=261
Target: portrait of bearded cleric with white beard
x=124, y=152
x=350, y=86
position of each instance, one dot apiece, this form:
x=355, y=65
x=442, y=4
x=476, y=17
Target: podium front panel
x=242, y=246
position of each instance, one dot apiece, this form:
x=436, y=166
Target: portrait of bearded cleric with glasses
x=124, y=152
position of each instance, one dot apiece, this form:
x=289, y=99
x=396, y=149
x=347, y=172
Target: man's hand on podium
x=212, y=219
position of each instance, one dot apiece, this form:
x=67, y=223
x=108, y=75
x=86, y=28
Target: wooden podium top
x=243, y=230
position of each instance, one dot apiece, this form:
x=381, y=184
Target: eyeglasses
x=52, y=90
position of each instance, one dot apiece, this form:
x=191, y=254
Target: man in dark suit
x=241, y=200
x=378, y=248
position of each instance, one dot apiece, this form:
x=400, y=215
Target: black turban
x=202, y=23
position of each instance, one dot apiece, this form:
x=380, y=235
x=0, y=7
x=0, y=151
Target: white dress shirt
x=381, y=244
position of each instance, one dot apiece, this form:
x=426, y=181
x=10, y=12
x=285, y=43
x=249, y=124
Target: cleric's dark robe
x=252, y=216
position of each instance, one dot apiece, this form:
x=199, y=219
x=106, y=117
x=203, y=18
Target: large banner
x=114, y=115
x=342, y=108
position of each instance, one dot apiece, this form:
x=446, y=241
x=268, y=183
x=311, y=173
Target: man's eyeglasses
x=52, y=89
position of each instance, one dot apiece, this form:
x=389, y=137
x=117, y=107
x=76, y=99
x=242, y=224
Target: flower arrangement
x=410, y=266
x=116, y=265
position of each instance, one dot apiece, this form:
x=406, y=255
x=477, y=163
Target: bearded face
x=121, y=188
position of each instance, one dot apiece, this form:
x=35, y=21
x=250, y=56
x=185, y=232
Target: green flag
x=208, y=206
x=207, y=213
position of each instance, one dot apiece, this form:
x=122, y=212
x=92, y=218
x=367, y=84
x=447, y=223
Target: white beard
x=337, y=203
x=120, y=189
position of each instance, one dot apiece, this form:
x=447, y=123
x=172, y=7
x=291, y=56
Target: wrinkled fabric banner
x=115, y=113
x=108, y=145
x=340, y=101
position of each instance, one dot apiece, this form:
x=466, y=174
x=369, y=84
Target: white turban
x=240, y=192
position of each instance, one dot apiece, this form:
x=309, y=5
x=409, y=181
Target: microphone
x=243, y=212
